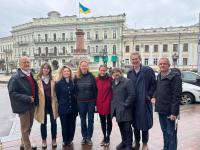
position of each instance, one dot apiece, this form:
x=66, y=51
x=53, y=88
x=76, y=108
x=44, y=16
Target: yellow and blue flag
x=84, y=9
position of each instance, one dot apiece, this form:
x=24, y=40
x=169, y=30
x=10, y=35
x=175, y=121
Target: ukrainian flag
x=84, y=9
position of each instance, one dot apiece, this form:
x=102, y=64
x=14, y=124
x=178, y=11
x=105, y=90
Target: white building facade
x=152, y=44
x=53, y=38
x=106, y=38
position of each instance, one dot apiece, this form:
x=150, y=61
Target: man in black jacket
x=167, y=100
x=23, y=92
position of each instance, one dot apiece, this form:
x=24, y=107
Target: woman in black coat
x=67, y=105
x=121, y=107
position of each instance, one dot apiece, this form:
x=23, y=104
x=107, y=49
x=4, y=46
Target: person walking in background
x=143, y=78
x=23, y=93
x=86, y=93
x=121, y=107
x=67, y=105
x=167, y=102
x=47, y=104
x=103, y=103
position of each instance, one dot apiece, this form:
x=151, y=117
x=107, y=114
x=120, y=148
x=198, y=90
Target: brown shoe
x=144, y=147
x=136, y=146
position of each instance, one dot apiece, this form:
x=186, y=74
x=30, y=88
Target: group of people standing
x=129, y=100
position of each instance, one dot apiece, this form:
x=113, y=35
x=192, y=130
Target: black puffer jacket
x=168, y=93
x=85, y=88
x=20, y=93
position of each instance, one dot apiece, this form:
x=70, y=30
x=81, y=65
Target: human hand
x=32, y=99
x=172, y=117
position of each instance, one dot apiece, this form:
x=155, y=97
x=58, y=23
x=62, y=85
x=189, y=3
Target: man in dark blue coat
x=143, y=78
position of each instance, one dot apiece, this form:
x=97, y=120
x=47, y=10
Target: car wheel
x=187, y=98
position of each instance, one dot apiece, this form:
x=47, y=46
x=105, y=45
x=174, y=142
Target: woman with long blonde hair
x=67, y=105
x=86, y=92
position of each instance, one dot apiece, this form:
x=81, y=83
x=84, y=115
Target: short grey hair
x=137, y=54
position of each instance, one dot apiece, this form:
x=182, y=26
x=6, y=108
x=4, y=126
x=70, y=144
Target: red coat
x=104, y=95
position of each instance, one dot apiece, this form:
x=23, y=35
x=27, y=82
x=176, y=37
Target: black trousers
x=126, y=133
x=106, y=125
x=145, y=136
x=68, y=123
x=43, y=127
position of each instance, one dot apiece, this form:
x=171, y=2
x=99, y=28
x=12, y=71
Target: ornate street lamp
x=174, y=59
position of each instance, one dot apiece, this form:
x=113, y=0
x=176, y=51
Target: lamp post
x=7, y=52
x=103, y=55
x=174, y=59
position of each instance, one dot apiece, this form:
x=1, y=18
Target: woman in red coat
x=103, y=103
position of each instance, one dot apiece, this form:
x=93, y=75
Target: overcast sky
x=139, y=13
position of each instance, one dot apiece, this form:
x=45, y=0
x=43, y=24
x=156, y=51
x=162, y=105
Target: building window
x=39, y=37
x=155, y=48
x=88, y=35
x=55, y=51
x=146, y=61
x=105, y=35
x=63, y=50
x=175, y=47
x=54, y=37
x=114, y=34
x=126, y=61
x=72, y=49
x=185, y=47
x=97, y=49
x=137, y=48
x=114, y=50
x=63, y=61
x=155, y=61
x=63, y=36
x=165, y=48
x=71, y=35
x=88, y=48
x=46, y=37
x=185, y=61
x=46, y=51
x=96, y=35
x=127, y=49
x=146, y=48
x=105, y=48
x=39, y=50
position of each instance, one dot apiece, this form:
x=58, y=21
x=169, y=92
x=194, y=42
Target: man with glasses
x=23, y=92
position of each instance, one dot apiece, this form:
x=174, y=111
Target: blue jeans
x=86, y=110
x=169, y=132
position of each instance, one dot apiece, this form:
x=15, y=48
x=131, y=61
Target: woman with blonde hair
x=86, y=92
x=67, y=105
x=47, y=104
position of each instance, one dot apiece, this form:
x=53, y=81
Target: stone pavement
x=188, y=133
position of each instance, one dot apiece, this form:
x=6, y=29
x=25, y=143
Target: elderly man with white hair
x=23, y=92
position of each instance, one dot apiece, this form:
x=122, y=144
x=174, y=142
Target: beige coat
x=39, y=112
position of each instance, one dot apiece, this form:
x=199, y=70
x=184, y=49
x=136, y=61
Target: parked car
x=190, y=77
x=190, y=93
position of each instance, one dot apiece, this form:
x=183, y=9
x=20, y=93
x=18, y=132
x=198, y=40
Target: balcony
x=59, y=40
x=23, y=43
